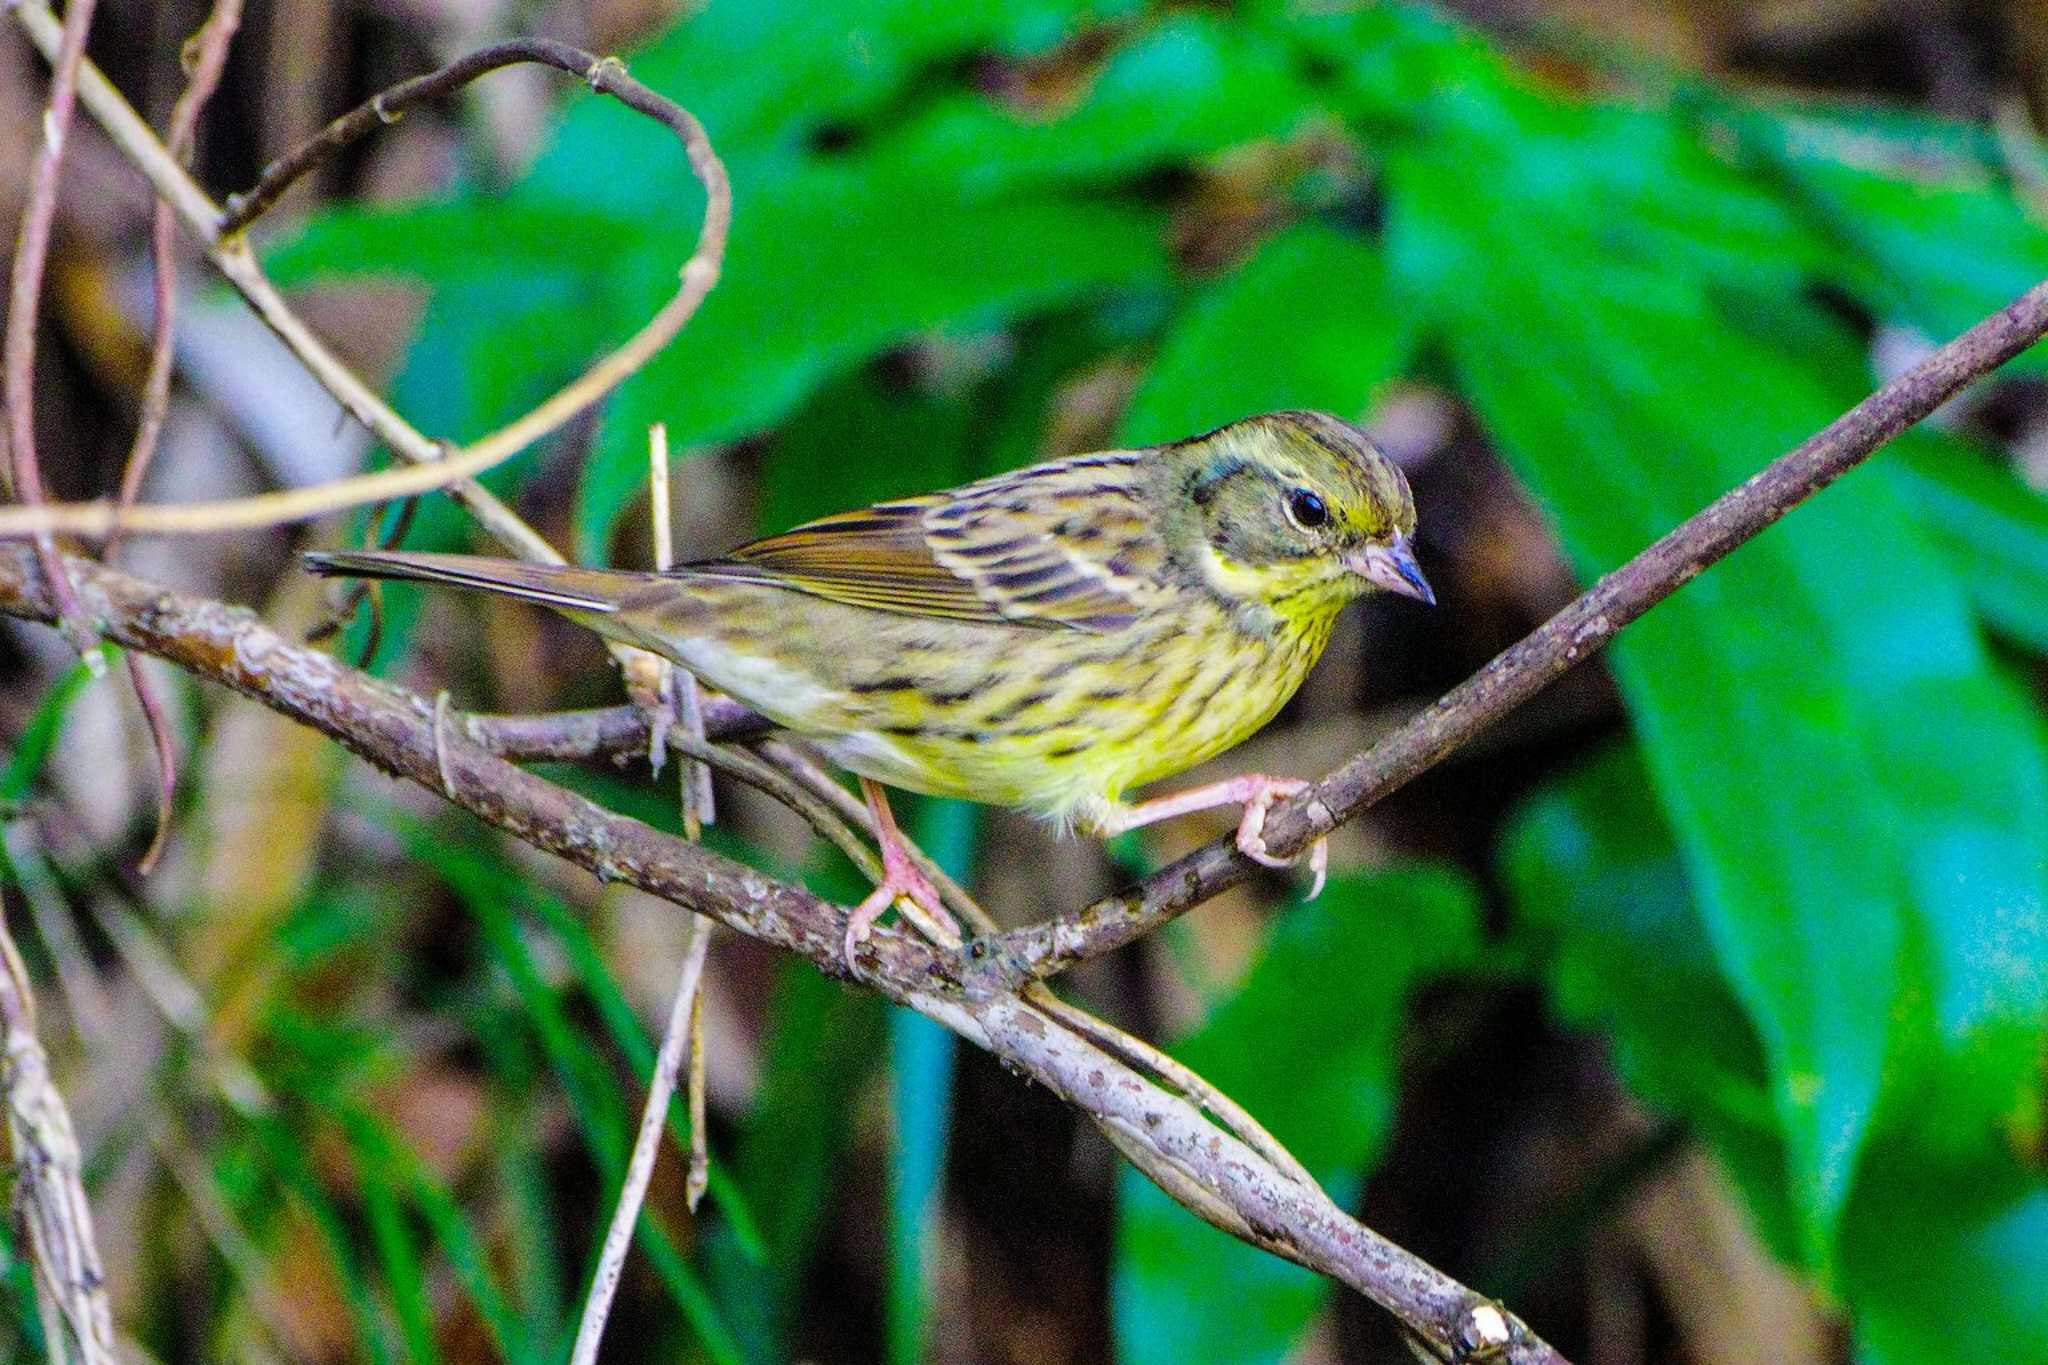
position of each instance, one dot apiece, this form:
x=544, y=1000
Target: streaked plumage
x=1048, y=638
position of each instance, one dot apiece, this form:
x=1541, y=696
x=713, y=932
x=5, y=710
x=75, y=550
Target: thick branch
x=1537, y=660
x=1216, y=1175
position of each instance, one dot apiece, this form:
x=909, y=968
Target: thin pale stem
x=618, y=1238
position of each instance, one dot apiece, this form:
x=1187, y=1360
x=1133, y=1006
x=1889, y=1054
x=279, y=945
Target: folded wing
x=1061, y=545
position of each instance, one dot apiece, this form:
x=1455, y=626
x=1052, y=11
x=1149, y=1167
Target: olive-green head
x=1297, y=511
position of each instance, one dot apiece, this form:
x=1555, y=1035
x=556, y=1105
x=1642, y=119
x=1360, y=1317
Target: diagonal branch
x=1218, y=1176
x=1537, y=660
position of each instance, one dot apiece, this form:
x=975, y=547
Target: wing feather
x=1064, y=544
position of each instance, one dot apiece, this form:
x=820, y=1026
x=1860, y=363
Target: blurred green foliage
x=1805, y=903
x=1308, y=1045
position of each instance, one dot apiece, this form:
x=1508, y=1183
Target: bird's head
x=1297, y=511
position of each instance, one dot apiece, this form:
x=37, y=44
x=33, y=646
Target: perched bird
x=1048, y=638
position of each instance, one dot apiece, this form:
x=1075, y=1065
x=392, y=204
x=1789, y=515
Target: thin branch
x=684, y=1036
x=1222, y=1178
x=602, y=732
x=618, y=1237
x=677, y=684
x=49, y=1192
x=387, y=107
x=205, y=56
x=66, y=53
x=231, y=253
x=1538, y=659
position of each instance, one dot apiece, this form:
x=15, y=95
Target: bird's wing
x=1062, y=544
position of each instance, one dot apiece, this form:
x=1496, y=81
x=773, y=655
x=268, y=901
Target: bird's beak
x=1393, y=567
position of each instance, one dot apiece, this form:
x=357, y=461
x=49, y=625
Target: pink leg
x=1256, y=792
x=900, y=877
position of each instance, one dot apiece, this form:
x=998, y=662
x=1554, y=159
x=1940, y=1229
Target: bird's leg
x=1256, y=792
x=900, y=876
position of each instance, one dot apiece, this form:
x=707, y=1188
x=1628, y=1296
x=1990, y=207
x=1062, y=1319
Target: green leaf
x=286, y=1153
x=1943, y=1251
x=45, y=724
x=466, y=239
x=596, y=1100
x=1938, y=235
x=1185, y=87
x=1309, y=321
x=805, y=471
x=821, y=1044
x=1821, y=722
x=383, y=1156
x=1626, y=953
x=1308, y=1045
x=765, y=78
x=1945, y=1260
x=1994, y=528
x=829, y=266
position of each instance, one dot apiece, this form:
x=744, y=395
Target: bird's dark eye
x=1308, y=511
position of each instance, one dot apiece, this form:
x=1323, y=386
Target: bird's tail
x=582, y=593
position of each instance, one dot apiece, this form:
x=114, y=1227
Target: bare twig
x=231, y=253
x=1223, y=1179
x=1538, y=659
x=680, y=684
x=66, y=53
x=693, y=778
x=684, y=1036
x=49, y=1194
x=618, y=1238
x=158, y=723
x=205, y=57
x=603, y=732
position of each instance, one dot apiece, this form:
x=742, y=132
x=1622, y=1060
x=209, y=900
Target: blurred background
x=1698, y=1011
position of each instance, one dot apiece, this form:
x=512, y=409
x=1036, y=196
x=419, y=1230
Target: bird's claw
x=901, y=880
x=1251, y=828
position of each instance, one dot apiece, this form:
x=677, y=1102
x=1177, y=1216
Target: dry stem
x=438, y=465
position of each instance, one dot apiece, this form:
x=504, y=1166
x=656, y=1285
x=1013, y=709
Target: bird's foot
x=902, y=880
x=1251, y=829
x=1256, y=792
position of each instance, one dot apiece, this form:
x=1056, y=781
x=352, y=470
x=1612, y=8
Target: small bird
x=1047, y=639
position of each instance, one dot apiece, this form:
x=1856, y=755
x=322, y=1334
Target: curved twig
x=436, y=466
x=65, y=50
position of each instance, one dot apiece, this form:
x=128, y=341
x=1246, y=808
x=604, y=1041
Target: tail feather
x=564, y=587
